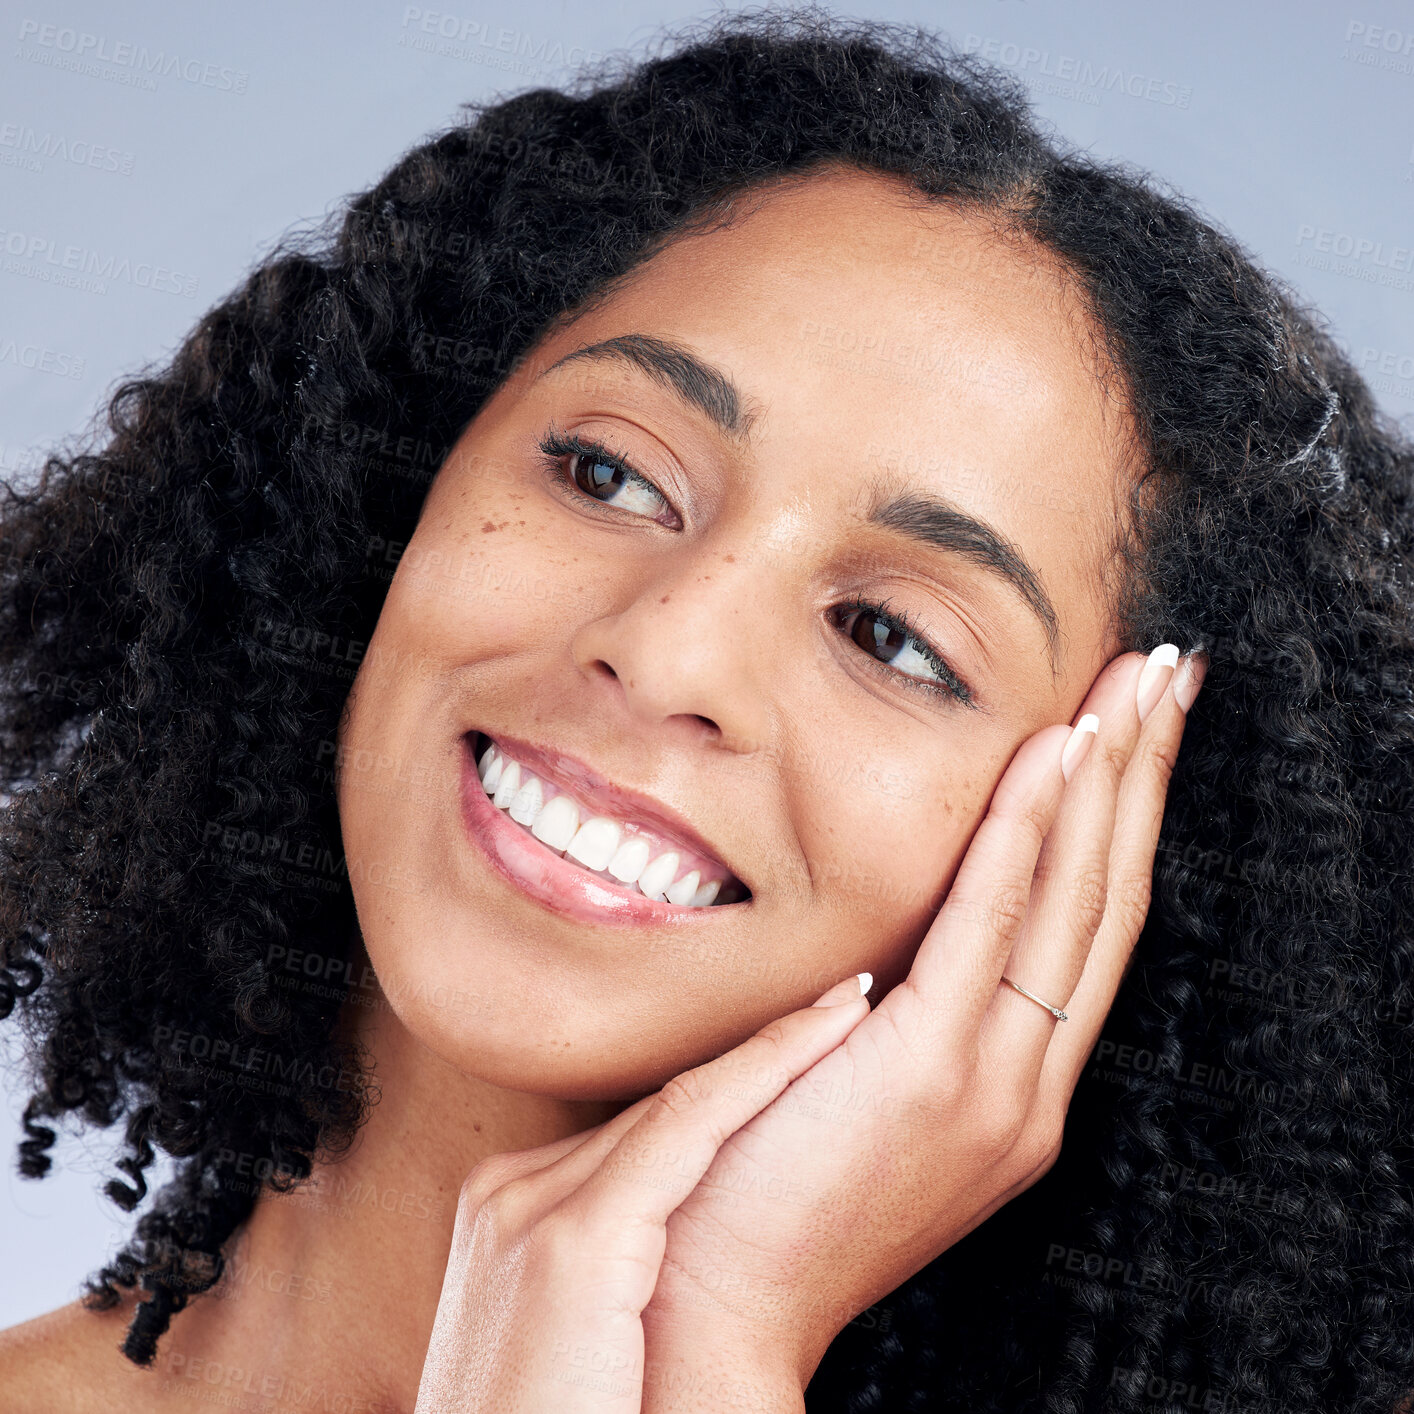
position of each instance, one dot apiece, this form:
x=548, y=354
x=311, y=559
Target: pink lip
x=589, y=786
x=559, y=883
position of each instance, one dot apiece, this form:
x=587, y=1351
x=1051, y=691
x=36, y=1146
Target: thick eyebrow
x=919, y=515
x=706, y=388
x=935, y=521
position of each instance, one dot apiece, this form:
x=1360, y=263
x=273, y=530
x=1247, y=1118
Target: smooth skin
x=683, y=647
x=886, y=1136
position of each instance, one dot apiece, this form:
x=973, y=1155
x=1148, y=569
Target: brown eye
x=876, y=636
x=891, y=641
x=598, y=475
x=595, y=476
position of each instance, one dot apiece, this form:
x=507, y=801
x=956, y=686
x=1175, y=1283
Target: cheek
x=475, y=581
x=885, y=838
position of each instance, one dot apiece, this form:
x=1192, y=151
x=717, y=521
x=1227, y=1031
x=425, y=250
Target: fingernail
x=1155, y=677
x=1189, y=679
x=1077, y=744
x=850, y=990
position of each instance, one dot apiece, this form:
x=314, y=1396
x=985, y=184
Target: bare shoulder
x=67, y=1362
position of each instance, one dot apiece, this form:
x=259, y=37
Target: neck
x=336, y=1284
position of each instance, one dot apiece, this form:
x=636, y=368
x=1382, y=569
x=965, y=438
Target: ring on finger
x=1055, y=1011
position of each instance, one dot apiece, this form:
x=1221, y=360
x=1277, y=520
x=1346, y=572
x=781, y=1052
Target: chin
x=533, y=1027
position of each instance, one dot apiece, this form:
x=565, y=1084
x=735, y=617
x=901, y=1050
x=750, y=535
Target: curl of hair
x=1231, y=1213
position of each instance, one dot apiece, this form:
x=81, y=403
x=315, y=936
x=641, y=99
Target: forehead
x=877, y=333
x=915, y=301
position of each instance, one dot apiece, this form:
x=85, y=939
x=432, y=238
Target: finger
x=561, y=1166
x=1139, y=816
x=956, y=969
x=663, y=1156
x=557, y=1167
x=1069, y=889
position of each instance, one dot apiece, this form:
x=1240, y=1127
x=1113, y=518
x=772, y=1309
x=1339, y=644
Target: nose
x=689, y=651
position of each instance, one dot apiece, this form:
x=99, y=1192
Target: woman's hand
x=556, y=1250
x=949, y=1098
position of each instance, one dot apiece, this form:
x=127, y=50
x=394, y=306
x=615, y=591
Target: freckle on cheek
x=487, y=528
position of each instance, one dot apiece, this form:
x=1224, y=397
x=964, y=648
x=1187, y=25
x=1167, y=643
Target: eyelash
x=556, y=446
x=951, y=685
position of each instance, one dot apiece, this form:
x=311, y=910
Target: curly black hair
x=1230, y=1224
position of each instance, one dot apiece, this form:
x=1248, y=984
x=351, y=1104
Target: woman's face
x=844, y=398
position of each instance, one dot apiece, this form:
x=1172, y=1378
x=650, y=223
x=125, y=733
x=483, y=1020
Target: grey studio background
x=150, y=153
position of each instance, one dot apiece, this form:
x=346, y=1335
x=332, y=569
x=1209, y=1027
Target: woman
x=784, y=458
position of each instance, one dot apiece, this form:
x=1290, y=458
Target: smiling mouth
x=619, y=847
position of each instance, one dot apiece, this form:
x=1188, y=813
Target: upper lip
x=581, y=780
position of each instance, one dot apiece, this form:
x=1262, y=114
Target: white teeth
x=706, y=894
x=682, y=892
x=557, y=822
x=599, y=843
x=654, y=881
x=627, y=864
x=491, y=775
x=595, y=844
x=508, y=785
x=528, y=802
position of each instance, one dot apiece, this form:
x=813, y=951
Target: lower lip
x=558, y=883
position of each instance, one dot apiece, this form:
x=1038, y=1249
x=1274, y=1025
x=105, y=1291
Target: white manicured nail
x=1155, y=677
x=1077, y=745
x=1189, y=679
x=843, y=992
